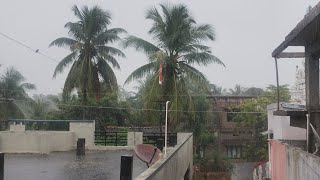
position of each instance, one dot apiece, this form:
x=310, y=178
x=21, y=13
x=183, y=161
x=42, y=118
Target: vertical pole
x=81, y=145
x=126, y=167
x=116, y=138
x=308, y=126
x=105, y=138
x=166, y=130
x=1, y=166
x=278, y=88
x=160, y=121
x=312, y=91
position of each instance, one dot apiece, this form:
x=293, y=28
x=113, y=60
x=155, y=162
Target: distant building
x=298, y=90
x=230, y=137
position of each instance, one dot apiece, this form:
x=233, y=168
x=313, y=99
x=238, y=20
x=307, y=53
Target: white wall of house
x=280, y=126
x=18, y=140
x=36, y=141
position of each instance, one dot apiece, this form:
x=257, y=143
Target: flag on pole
x=160, y=74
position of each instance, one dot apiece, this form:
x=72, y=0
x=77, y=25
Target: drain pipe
x=308, y=129
x=166, y=130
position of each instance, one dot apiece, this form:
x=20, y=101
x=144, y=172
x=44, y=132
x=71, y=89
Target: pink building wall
x=278, y=161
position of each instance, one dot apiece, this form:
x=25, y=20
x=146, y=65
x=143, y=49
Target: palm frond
x=95, y=20
x=28, y=86
x=109, y=58
x=75, y=30
x=72, y=80
x=63, y=63
x=110, y=50
x=141, y=72
x=203, y=32
x=116, y=30
x=77, y=12
x=140, y=45
x=194, y=48
x=106, y=37
x=63, y=41
x=107, y=73
x=195, y=76
x=158, y=24
x=201, y=58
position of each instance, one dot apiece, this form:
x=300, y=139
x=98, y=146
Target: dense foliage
x=90, y=56
x=178, y=46
x=257, y=149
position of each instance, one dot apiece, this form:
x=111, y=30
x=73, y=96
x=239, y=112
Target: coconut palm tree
x=178, y=45
x=90, y=56
x=13, y=86
x=14, y=99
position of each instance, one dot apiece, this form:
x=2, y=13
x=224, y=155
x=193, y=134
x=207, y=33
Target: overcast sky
x=247, y=32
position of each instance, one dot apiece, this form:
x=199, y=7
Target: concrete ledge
x=35, y=141
x=178, y=163
x=112, y=148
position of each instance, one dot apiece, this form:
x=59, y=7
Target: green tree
x=90, y=54
x=272, y=93
x=13, y=93
x=13, y=86
x=257, y=149
x=238, y=90
x=217, y=90
x=253, y=91
x=178, y=46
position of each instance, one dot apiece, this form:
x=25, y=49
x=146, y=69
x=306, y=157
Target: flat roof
x=307, y=31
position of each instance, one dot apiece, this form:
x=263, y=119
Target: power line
x=140, y=109
x=28, y=47
x=183, y=95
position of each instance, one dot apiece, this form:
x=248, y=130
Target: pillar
x=312, y=92
x=126, y=167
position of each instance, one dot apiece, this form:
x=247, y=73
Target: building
x=230, y=137
x=298, y=90
x=288, y=162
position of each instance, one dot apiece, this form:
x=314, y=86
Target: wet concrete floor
x=95, y=165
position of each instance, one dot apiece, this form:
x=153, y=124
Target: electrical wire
x=137, y=109
x=28, y=47
x=191, y=95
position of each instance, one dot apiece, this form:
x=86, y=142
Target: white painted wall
x=83, y=130
x=17, y=140
x=134, y=138
x=17, y=128
x=280, y=126
x=35, y=141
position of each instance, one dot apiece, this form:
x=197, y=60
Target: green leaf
x=141, y=72
x=63, y=63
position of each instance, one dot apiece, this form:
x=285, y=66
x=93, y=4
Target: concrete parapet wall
x=178, y=163
x=111, y=148
x=291, y=163
x=135, y=138
x=35, y=141
x=17, y=140
x=17, y=128
x=83, y=130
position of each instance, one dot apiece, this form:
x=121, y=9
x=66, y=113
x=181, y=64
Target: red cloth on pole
x=160, y=74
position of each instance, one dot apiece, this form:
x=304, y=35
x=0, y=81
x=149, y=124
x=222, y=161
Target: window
x=231, y=115
x=234, y=151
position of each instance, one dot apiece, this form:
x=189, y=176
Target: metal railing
x=110, y=138
x=154, y=138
